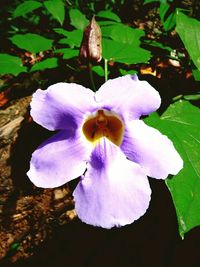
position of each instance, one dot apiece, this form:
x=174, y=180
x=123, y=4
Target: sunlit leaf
x=181, y=124
x=10, y=64
x=26, y=7
x=32, y=42
x=57, y=9
x=124, y=53
x=48, y=63
x=78, y=20
x=108, y=15
x=188, y=29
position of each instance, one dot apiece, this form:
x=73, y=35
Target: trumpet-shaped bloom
x=102, y=139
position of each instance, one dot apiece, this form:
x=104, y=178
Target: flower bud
x=90, y=48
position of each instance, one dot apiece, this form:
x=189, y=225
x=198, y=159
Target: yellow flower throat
x=104, y=124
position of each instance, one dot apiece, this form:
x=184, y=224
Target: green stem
x=91, y=76
x=106, y=69
x=178, y=97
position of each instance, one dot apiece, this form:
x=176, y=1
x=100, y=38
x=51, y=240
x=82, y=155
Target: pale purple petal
x=128, y=96
x=114, y=190
x=152, y=150
x=59, y=160
x=62, y=106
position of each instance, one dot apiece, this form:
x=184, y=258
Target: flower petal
x=128, y=95
x=61, y=106
x=152, y=150
x=58, y=160
x=114, y=190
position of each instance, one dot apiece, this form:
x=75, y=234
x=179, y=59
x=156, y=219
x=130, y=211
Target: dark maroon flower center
x=104, y=124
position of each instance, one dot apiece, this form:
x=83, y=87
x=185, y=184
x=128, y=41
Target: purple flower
x=102, y=139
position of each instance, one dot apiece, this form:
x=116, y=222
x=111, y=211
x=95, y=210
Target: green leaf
x=10, y=64
x=161, y=1
x=68, y=52
x=169, y=21
x=123, y=34
x=188, y=29
x=192, y=97
x=15, y=246
x=181, y=124
x=73, y=38
x=61, y=31
x=158, y=44
x=108, y=15
x=98, y=70
x=57, y=9
x=48, y=63
x=124, y=53
x=32, y=42
x=150, y=1
x=196, y=74
x=25, y=8
x=106, y=30
x=106, y=22
x=78, y=20
x=125, y=72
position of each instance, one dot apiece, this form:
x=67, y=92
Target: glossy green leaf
x=32, y=42
x=10, y=64
x=168, y=20
x=189, y=31
x=57, y=9
x=78, y=20
x=124, y=53
x=73, y=39
x=25, y=8
x=181, y=124
x=108, y=15
x=48, y=63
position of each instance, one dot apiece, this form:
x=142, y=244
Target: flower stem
x=106, y=69
x=91, y=76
